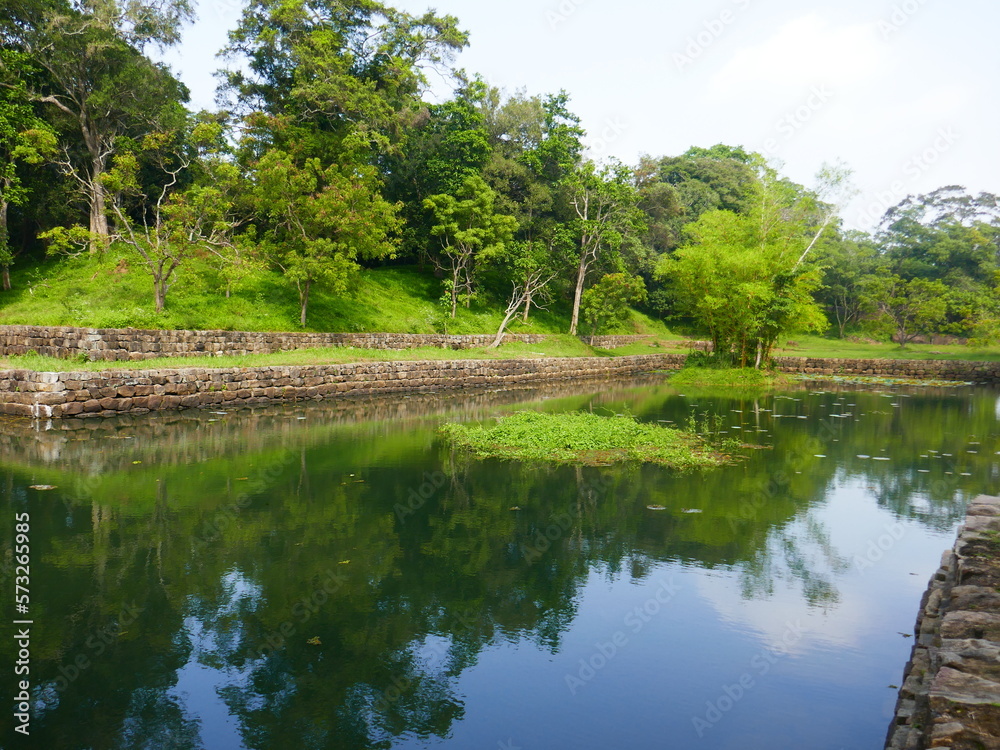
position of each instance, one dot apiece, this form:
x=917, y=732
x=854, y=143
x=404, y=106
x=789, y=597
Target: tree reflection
x=279, y=556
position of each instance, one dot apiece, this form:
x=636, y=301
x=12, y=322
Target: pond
x=330, y=575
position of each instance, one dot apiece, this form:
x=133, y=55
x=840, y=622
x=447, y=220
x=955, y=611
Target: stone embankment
x=920, y=369
x=951, y=694
x=45, y=395
x=125, y=344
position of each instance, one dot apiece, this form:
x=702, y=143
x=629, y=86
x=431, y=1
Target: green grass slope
x=114, y=290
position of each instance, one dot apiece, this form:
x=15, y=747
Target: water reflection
x=331, y=576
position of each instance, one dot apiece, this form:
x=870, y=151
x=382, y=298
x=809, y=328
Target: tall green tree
x=908, y=308
x=608, y=224
x=469, y=229
x=320, y=221
x=607, y=302
x=849, y=261
x=24, y=139
x=952, y=236
x=99, y=78
x=342, y=78
x=447, y=144
x=743, y=277
x=166, y=228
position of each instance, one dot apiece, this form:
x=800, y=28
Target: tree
x=531, y=270
x=177, y=222
x=745, y=277
x=951, y=236
x=608, y=302
x=341, y=78
x=24, y=139
x=97, y=76
x=447, y=145
x=468, y=228
x=848, y=263
x=536, y=145
x=320, y=220
x=909, y=308
x=608, y=222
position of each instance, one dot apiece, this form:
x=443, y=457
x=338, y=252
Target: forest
x=327, y=165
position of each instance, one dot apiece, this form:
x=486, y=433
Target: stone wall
x=44, y=395
x=963, y=370
x=614, y=342
x=123, y=344
x=950, y=696
x=114, y=344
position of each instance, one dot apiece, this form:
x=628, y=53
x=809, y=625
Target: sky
x=906, y=92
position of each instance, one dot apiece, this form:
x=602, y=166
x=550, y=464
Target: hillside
x=113, y=291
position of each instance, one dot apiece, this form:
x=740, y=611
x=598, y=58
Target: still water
x=331, y=576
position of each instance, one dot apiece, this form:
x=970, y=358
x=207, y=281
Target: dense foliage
x=326, y=160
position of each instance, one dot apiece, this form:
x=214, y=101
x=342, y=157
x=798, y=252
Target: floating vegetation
x=727, y=377
x=589, y=439
x=881, y=380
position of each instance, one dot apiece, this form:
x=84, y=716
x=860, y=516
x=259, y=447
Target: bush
x=708, y=360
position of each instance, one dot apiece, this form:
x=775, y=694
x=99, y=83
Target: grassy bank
x=554, y=346
x=113, y=291
x=583, y=438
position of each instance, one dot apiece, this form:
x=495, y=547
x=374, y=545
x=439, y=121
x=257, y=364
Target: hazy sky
x=905, y=92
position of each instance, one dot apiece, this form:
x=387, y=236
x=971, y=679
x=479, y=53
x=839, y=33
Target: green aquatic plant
x=587, y=438
x=733, y=377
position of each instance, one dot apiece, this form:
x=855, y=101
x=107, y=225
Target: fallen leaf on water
x=344, y=562
x=514, y=507
x=42, y=487
x=655, y=507
x=315, y=641
x=692, y=510
x=137, y=462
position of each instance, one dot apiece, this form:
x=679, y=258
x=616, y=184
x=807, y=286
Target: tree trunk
x=527, y=308
x=160, y=294
x=98, y=215
x=304, y=300
x=4, y=245
x=454, y=293
x=511, y=311
x=581, y=275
